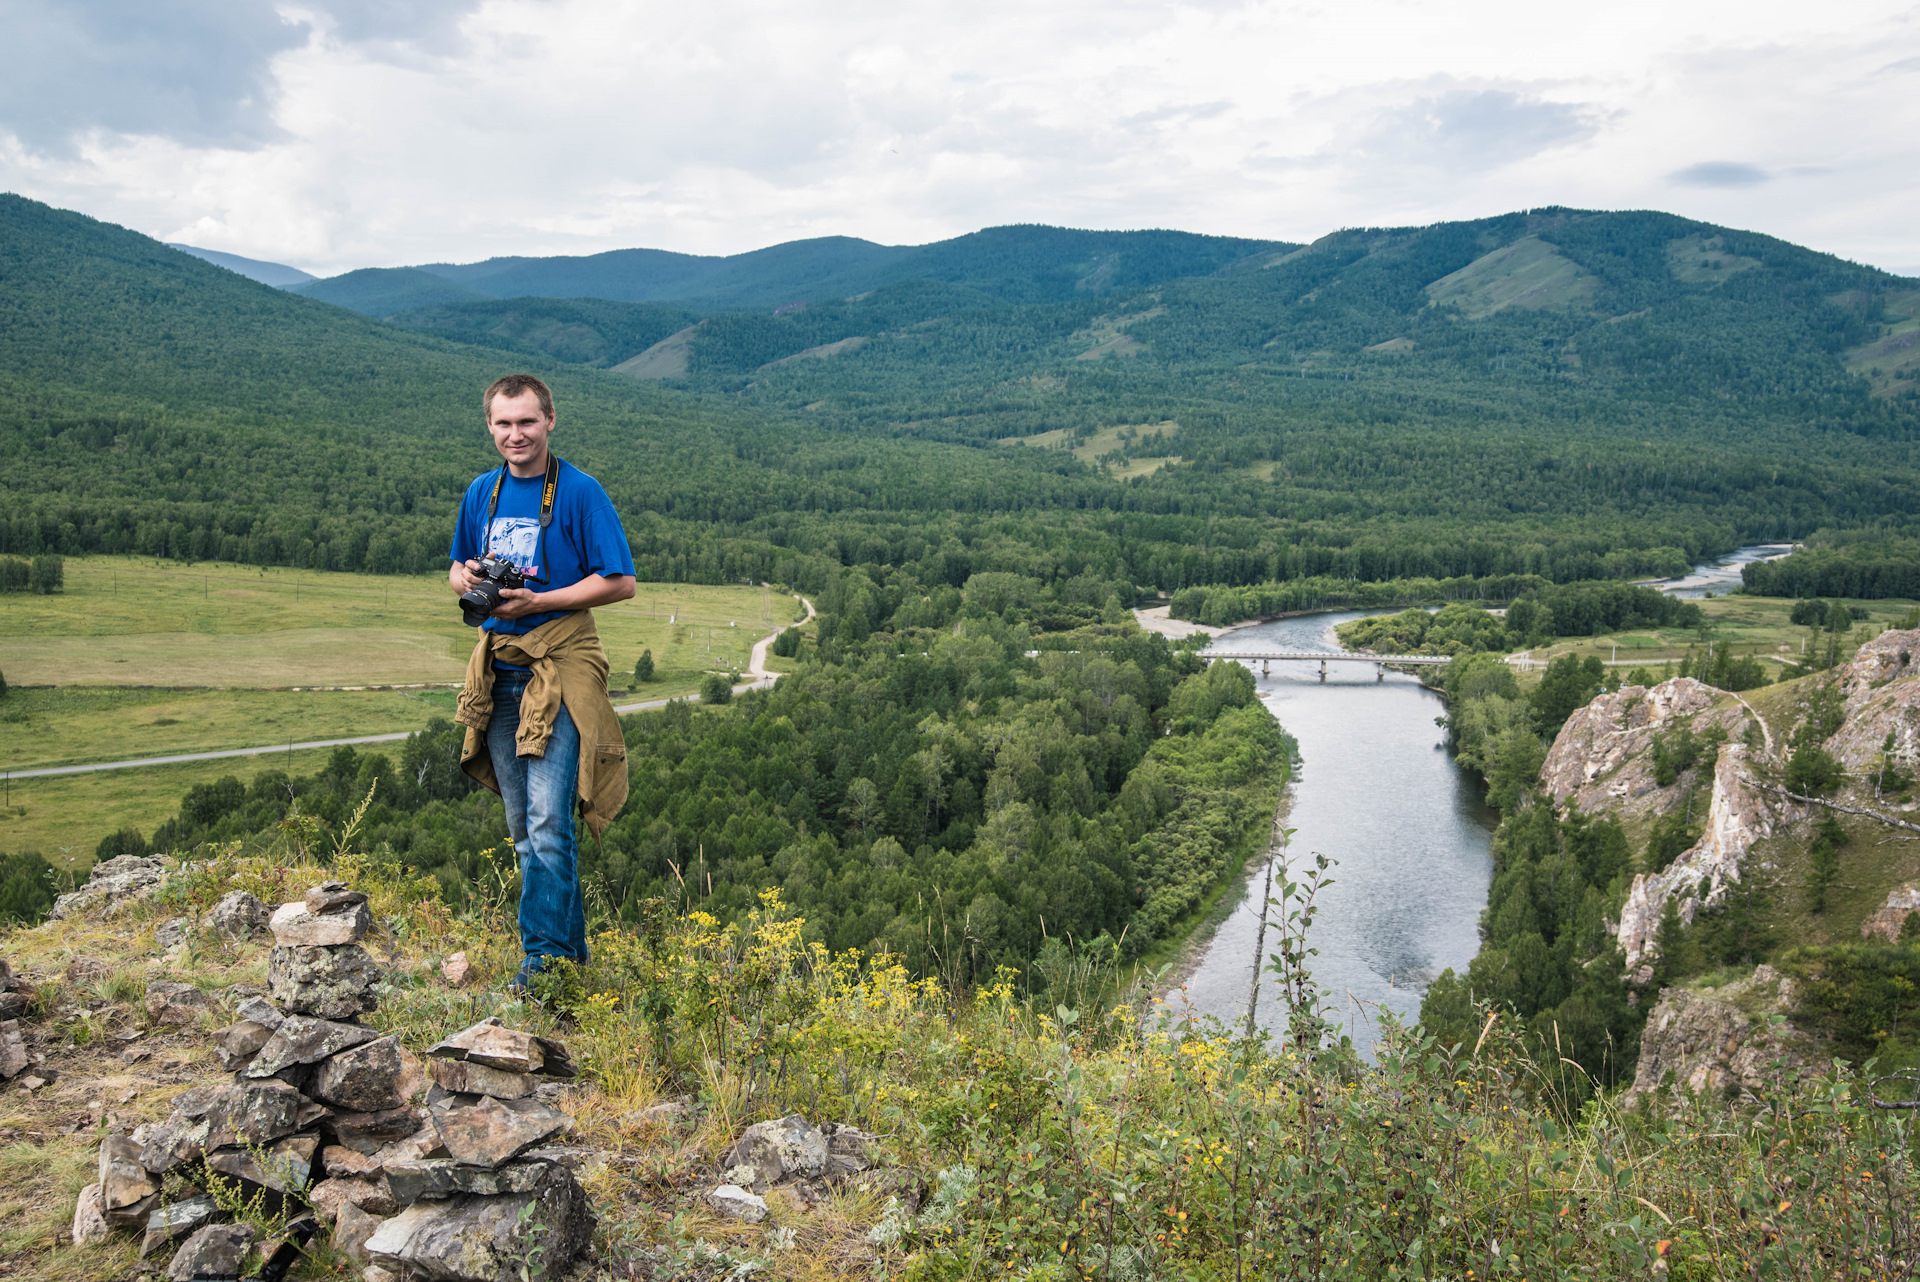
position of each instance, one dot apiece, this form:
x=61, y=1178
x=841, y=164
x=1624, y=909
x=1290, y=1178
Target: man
x=540, y=727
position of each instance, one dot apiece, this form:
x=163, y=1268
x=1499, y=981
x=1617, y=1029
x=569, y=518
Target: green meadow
x=1751, y=625
x=144, y=658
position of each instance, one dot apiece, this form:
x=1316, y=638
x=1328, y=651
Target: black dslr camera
x=478, y=602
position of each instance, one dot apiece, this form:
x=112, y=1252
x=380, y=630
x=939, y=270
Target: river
x=1377, y=792
x=1720, y=576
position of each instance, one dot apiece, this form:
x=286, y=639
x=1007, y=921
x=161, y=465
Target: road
x=757, y=675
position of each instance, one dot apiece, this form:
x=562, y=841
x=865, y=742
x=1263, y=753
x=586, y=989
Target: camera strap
x=546, y=508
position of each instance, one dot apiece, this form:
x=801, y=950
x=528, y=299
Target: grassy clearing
x=1091, y=449
x=163, y=624
x=65, y=816
x=1751, y=625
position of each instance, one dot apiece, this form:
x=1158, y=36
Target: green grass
x=72, y=725
x=65, y=816
x=1752, y=625
x=1091, y=449
x=165, y=624
x=107, y=670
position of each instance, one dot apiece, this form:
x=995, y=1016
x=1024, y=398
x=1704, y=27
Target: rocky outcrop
x=1739, y=813
x=1720, y=1042
x=1878, y=704
x=1891, y=918
x=1601, y=759
x=111, y=886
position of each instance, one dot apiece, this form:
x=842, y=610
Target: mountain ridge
x=1015, y=263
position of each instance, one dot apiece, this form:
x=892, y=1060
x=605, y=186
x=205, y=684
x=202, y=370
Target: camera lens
x=478, y=602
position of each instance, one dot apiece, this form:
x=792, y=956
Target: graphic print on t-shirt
x=517, y=539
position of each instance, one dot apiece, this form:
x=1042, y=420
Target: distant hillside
x=1563, y=394
x=277, y=274
x=583, y=331
x=382, y=291
x=1019, y=264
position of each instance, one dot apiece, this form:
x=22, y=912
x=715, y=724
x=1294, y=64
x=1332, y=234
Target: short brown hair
x=517, y=385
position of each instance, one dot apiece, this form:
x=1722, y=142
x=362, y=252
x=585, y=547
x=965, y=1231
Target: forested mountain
x=1000, y=264
x=1568, y=395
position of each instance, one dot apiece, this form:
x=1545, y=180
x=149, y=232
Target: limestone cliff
x=1721, y=1041
x=1602, y=762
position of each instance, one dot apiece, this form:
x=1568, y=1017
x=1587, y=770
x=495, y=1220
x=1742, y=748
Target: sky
x=335, y=134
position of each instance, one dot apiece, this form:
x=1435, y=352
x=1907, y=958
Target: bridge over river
x=1324, y=657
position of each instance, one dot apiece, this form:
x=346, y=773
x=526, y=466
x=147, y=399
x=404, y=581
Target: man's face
x=519, y=430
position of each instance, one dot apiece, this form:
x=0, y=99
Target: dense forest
x=942, y=779
x=1870, y=566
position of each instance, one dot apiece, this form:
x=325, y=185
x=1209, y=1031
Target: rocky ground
x=199, y=1087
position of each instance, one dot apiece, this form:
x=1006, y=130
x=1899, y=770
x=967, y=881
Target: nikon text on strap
x=546, y=509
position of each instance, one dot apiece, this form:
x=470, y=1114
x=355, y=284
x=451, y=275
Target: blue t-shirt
x=584, y=537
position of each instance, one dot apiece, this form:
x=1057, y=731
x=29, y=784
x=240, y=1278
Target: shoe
x=520, y=984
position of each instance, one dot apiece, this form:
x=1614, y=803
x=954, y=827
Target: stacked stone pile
x=490, y=1197
x=420, y=1177
x=16, y=995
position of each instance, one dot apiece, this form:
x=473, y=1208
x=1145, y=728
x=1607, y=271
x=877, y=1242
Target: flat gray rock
x=216, y=1251
x=293, y=925
x=492, y=1044
x=373, y=1132
x=466, y=1077
x=483, y=1131
x=351, y=1229
x=443, y=1177
x=332, y=897
x=123, y=1181
x=475, y=1238
x=302, y=1039
x=365, y=1078
x=260, y=1011
x=736, y=1203
x=89, y=1225
x=231, y=1116
x=370, y=1193
x=175, y=1220
x=13, y=1050
x=241, y=1043
x=285, y=1167
x=331, y=983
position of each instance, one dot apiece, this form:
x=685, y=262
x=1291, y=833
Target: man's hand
x=462, y=577
x=516, y=602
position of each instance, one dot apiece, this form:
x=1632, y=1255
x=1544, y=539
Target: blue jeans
x=539, y=794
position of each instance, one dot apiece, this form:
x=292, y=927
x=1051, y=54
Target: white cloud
x=345, y=133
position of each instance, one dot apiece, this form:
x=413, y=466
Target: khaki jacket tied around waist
x=569, y=668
